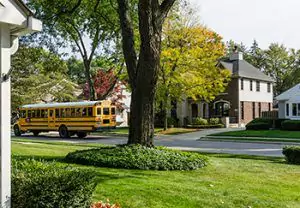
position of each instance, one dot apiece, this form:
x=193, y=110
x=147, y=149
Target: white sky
x=266, y=21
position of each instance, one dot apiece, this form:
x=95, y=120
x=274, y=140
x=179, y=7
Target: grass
x=160, y=131
x=261, y=133
x=229, y=181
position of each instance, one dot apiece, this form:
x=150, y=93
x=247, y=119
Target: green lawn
x=228, y=181
x=261, y=133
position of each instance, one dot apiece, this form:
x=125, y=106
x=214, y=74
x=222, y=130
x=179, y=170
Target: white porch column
x=5, y=52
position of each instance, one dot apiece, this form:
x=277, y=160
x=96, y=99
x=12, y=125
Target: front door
x=51, y=119
x=194, y=110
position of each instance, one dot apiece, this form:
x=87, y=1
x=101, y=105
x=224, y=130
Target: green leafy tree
x=87, y=26
x=189, y=66
x=39, y=75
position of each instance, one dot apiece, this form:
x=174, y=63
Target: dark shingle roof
x=246, y=70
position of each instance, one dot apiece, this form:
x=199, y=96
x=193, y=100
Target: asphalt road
x=189, y=141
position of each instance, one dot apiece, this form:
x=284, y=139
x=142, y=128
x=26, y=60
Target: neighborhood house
x=248, y=94
x=289, y=103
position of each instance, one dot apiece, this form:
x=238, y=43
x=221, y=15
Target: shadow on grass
x=250, y=157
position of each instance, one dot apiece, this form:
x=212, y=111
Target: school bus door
x=51, y=119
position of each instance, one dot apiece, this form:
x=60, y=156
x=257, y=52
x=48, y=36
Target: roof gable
x=291, y=94
x=246, y=70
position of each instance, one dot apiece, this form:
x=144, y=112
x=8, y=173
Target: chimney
x=235, y=57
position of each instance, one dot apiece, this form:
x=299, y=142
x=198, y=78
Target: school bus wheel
x=35, y=133
x=63, y=132
x=17, y=131
x=81, y=134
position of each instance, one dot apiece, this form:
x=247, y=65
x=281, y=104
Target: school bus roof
x=67, y=104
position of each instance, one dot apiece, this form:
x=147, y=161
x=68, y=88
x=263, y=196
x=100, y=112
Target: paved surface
x=189, y=141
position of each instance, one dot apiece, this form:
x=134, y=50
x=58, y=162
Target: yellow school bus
x=68, y=118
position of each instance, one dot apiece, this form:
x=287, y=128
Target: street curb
x=216, y=139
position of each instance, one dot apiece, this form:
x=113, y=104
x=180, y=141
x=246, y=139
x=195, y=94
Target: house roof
x=246, y=70
x=291, y=94
x=24, y=7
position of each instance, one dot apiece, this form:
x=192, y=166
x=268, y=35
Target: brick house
x=249, y=93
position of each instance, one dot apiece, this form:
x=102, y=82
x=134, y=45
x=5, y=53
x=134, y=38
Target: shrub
x=171, y=121
x=257, y=126
x=200, y=121
x=214, y=121
x=292, y=154
x=278, y=122
x=138, y=157
x=38, y=184
x=291, y=125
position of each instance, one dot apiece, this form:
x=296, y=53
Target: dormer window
x=257, y=86
x=242, y=84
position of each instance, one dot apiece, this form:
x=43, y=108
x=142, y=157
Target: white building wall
x=5, y=53
x=254, y=96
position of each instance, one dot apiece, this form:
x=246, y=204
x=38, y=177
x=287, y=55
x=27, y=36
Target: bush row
x=292, y=154
x=291, y=125
x=265, y=124
x=202, y=121
x=37, y=184
x=208, y=126
x=138, y=157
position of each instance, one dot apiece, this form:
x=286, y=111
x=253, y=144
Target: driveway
x=188, y=141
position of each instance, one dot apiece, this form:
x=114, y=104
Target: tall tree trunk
x=87, y=67
x=143, y=73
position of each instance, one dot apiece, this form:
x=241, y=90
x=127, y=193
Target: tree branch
x=165, y=7
x=128, y=41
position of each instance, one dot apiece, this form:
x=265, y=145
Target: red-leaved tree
x=106, y=86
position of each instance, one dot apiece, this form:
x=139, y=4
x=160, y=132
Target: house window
x=298, y=109
x=251, y=85
x=287, y=109
x=242, y=84
x=259, y=109
x=294, y=109
x=253, y=110
x=269, y=87
x=242, y=110
x=257, y=86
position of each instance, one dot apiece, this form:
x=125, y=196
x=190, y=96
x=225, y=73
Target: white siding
x=253, y=96
x=282, y=110
x=5, y=116
x=11, y=15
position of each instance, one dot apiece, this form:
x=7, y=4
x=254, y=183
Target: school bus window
x=98, y=111
x=62, y=113
x=78, y=112
x=43, y=113
x=57, y=113
x=84, y=113
x=29, y=114
x=90, y=111
x=38, y=113
x=23, y=114
x=105, y=111
x=68, y=112
x=51, y=113
x=46, y=113
x=73, y=112
x=113, y=111
x=33, y=113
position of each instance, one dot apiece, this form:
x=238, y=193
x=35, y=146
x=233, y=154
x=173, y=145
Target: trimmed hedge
x=208, y=126
x=266, y=124
x=200, y=121
x=46, y=185
x=214, y=121
x=291, y=125
x=292, y=154
x=257, y=126
x=138, y=157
